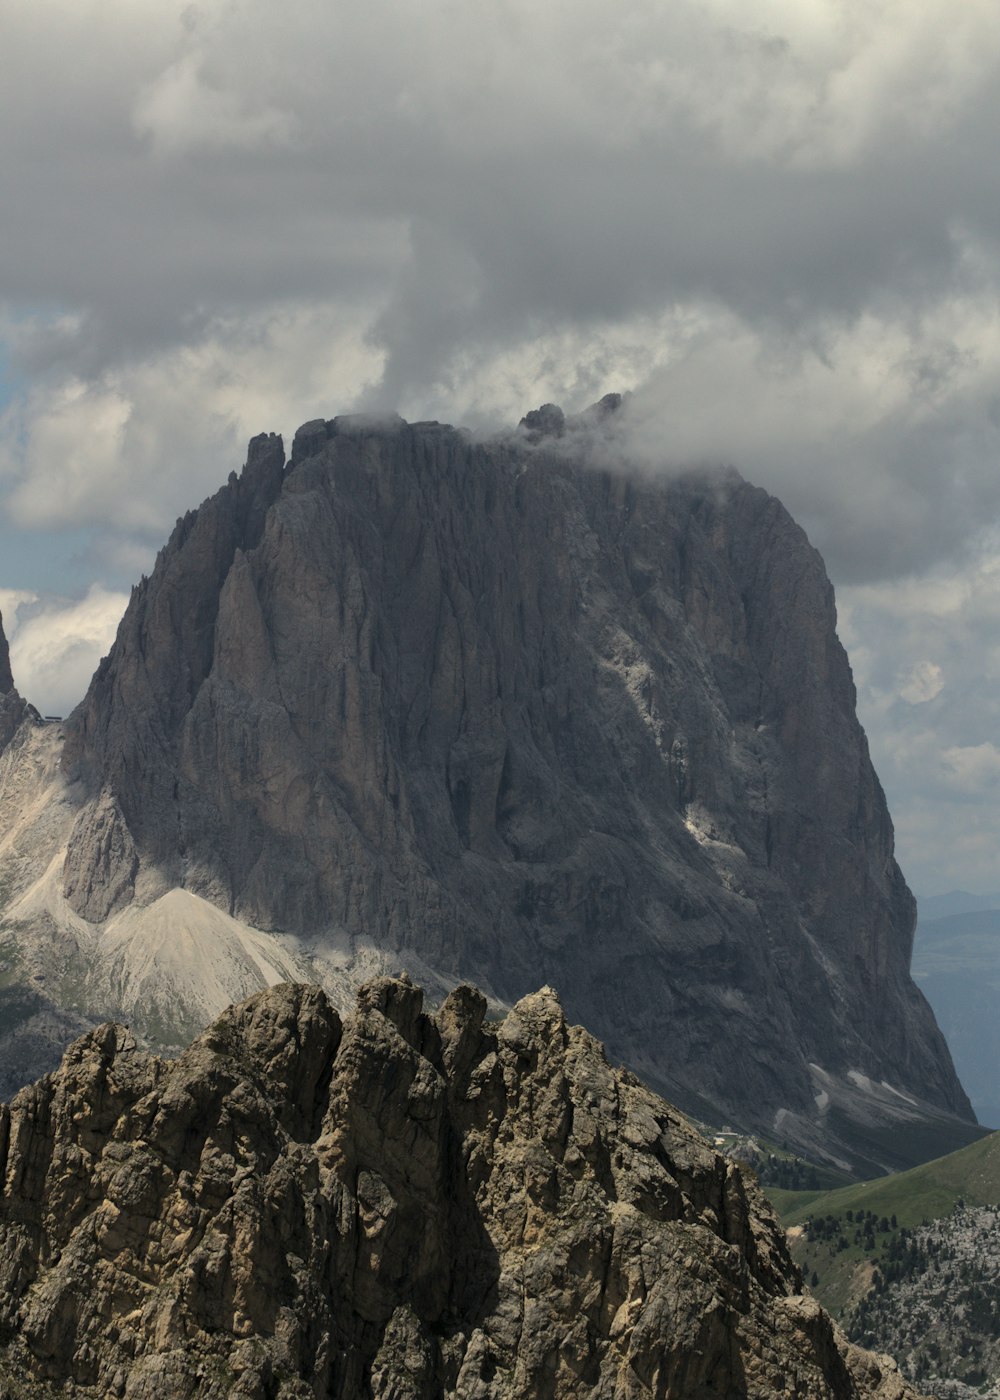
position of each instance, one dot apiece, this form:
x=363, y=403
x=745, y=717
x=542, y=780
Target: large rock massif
x=489, y=712
x=398, y=1206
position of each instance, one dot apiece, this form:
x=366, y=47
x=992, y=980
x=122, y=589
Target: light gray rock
x=101, y=862
x=396, y=1206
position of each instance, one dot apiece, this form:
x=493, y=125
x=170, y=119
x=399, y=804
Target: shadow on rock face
x=396, y=1205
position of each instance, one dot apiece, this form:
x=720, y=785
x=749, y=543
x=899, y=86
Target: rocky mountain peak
x=547, y=421
x=13, y=709
x=509, y=718
x=390, y=1204
x=6, y=678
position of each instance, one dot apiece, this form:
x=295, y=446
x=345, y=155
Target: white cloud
x=880, y=436
x=12, y=602
x=141, y=443
x=56, y=643
x=181, y=111
x=72, y=435
x=815, y=80
x=934, y=743
x=924, y=682
x=972, y=769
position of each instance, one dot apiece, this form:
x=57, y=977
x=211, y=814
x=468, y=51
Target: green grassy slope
x=922, y=1193
x=837, y=1265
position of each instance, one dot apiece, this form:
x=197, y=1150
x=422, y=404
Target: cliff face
x=395, y=1206
x=12, y=708
x=6, y=678
x=519, y=721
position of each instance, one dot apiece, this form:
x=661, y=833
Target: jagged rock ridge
x=517, y=720
x=13, y=710
x=34, y=1027
x=394, y=1206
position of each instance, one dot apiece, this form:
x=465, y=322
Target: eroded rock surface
x=516, y=720
x=396, y=1205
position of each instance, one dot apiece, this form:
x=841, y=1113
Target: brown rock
x=406, y=1207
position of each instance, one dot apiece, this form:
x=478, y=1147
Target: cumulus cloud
x=56, y=643
x=935, y=736
x=972, y=769
x=924, y=682
x=879, y=435
x=785, y=160
x=180, y=111
x=132, y=448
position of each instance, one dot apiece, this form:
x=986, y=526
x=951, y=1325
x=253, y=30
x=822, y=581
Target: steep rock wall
x=517, y=720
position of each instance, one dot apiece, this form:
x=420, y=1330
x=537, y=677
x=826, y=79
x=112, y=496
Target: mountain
x=34, y=1026
x=942, y=906
x=489, y=710
x=956, y=964
x=396, y=1205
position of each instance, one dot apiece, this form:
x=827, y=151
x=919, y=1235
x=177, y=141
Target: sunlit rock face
x=510, y=715
x=396, y=1206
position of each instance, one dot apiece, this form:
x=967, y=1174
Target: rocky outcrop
x=6, y=677
x=398, y=1205
x=516, y=719
x=13, y=710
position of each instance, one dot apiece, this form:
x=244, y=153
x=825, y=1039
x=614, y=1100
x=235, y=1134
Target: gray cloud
x=778, y=224
x=56, y=643
x=223, y=155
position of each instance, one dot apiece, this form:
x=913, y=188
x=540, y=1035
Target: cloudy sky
x=777, y=222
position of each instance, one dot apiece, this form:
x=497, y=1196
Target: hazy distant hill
x=956, y=964
x=942, y=906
